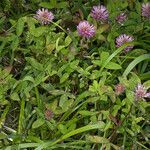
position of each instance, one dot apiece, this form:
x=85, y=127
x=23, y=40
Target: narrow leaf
x=135, y=62
x=64, y=77
x=20, y=25
x=113, y=66
x=74, y=132
x=97, y=139
x=38, y=123
x=34, y=63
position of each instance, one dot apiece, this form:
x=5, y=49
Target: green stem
x=142, y=145
x=21, y=117
x=3, y=116
x=124, y=141
x=38, y=98
x=12, y=58
x=59, y=27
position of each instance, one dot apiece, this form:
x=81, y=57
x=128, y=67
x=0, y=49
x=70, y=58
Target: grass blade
x=74, y=132
x=21, y=117
x=114, y=54
x=21, y=146
x=135, y=62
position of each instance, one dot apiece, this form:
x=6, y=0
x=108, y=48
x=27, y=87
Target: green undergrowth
x=58, y=90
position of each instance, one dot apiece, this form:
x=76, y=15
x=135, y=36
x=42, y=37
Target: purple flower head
x=119, y=89
x=44, y=16
x=146, y=10
x=48, y=114
x=121, y=18
x=124, y=39
x=85, y=29
x=141, y=92
x=100, y=13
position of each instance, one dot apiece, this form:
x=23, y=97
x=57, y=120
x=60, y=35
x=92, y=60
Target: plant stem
x=21, y=117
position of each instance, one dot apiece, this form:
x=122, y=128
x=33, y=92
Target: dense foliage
x=74, y=74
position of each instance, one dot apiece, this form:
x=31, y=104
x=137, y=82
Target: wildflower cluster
x=141, y=92
x=146, y=10
x=44, y=16
x=85, y=29
x=122, y=39
x=99, y=13
x=121, y=18
x=68, y=75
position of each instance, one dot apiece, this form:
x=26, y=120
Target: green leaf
x=68, y=103
x=138, y=7
x=95, y=74
x=133, y=81
x=20, y=25
x=49, y=5
x=2, y=20
x=97, y=62
x=115, y=109
x=104, y=56
x=15, y=96
x=76, y=102
x=106, y=61
x=3, y=135
x=34, y=63
x=15, y=43
x=135, y=62
x=59, y=47
x=2, y=45
x=115, y=146
x=64, y=77
x=62, y=129
x=130, y=96
x=56, y=92
x=74, y=64
x=62, y=5
x=38, y=123
x=147, y=84
x=87, y=113
x=68, y=40
x=40, y=78
x=145, y=76
x=37, y=32
x=138, y=119
x=99, y=126
x=21, y=116
x=28, y=78
x=53, y=4
x=62, y=101
x=97, y=139
x=3, y=115
x=113, y=66
x=46, y=5
x=102, y=28
x=130, y=132
x=23, y=146
x=53, y=105
x=31, y=24
x=72, y=127
x=50, y=47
